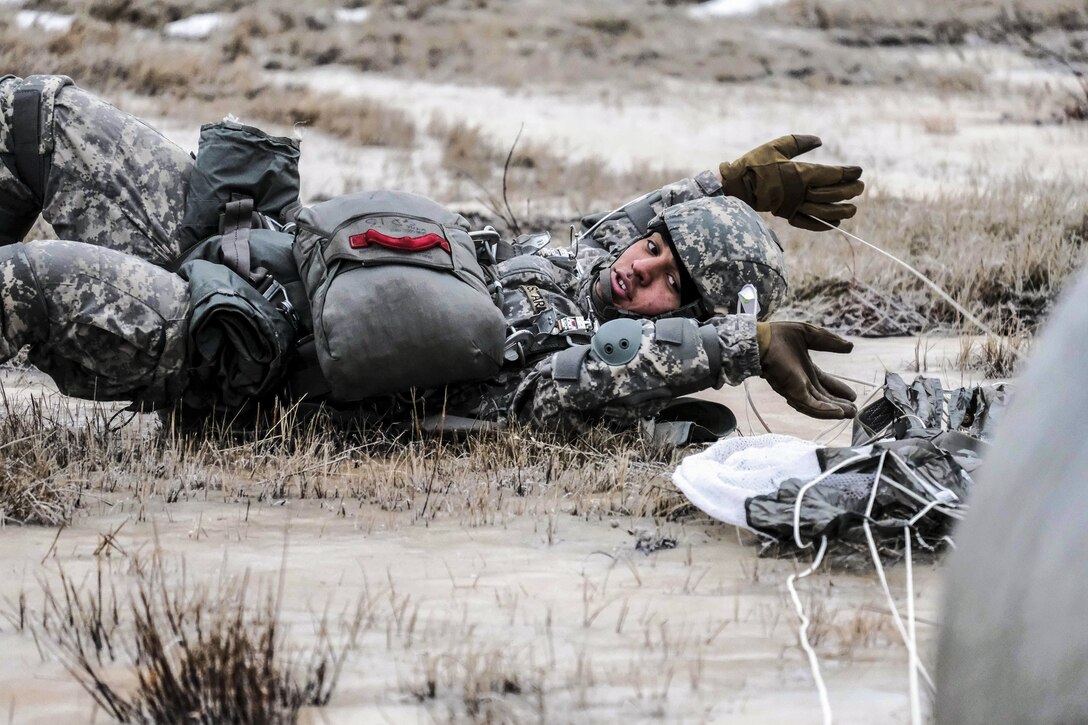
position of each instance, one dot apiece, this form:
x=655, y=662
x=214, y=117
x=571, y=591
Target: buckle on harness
x=276, y=293
x=549, y=323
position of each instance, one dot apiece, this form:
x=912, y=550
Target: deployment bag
x=397, y=297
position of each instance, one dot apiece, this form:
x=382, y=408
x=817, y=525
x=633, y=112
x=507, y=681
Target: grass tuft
x=195, y=655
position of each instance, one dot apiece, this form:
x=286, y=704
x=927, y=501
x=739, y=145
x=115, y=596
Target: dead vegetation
x=195, y=654
x=538, y=177
x=1003, y=250
x=917, y=22
x=481, y=687
x=519, y=45
x=67, y=449
x=103, y=56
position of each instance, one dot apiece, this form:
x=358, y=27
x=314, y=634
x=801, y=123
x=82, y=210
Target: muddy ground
x=535, y=609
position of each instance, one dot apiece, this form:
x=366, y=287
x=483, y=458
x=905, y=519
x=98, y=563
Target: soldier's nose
x=645, y=269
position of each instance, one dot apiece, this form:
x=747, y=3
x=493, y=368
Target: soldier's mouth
x=619, y=287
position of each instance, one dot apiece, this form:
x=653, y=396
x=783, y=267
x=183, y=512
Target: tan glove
x=767, y=180
x=787, y=367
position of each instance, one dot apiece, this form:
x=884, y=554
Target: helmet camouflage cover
x=724, y=245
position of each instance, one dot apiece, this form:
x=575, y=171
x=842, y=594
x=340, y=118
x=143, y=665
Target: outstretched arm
x=673, y=357
x=630, y=221
x=767, y=178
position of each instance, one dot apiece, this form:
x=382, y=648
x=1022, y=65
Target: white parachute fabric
x=924, y=442
x=721, y=479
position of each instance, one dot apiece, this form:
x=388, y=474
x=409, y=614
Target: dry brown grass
x=363, y=122
x=481, y=687
x=191, y=80
x=515, y=45
x=59, y=451
x=1003, y=250
x=539, y=178
x=899, y=22
x=196, y=654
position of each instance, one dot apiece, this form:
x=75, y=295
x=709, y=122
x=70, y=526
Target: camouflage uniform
x=111, y=325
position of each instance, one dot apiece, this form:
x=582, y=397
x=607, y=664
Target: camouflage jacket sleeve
x=620, y=227
x=574, y=388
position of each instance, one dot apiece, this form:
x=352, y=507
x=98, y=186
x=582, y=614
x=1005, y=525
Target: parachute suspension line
x=835, y=429
x=912, y=646
x=922, y=484
x=804, y=490
x=752, y=405
x=608, y=216
x=925, y=510
x=802, y=634
x=849, y=379
x=893, y=608
x=930, y=283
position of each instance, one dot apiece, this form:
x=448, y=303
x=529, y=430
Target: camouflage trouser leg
x=103, y=324
x=114, y=181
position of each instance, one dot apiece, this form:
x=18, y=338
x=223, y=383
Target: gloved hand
x=767, y=180
x=783, y=353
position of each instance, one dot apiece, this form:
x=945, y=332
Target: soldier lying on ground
x=117, y=313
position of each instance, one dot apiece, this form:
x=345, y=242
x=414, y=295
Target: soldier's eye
x=673, y=283
x=650, y=245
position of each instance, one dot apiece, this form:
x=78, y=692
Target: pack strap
x=237, y=222
x=26, y=132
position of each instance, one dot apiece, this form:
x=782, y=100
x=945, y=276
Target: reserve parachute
x=397, y=296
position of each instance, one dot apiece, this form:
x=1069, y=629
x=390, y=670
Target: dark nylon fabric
x=930, y=460
x=270, y=251
x=240, y=344
x=237, y=159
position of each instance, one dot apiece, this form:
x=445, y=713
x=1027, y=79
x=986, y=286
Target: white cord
x=912, y=643
x=608, y=216
x=752, y=405
x=802, y=635
x=804, y=490
x=928, y=507
x=933, y=285
x=880, y=571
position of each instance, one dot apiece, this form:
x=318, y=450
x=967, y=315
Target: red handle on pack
x=404, y=244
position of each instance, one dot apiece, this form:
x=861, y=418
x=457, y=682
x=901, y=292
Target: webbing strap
x=567, y=365
x=237, y=220
x=641, y=213
x=26, y=139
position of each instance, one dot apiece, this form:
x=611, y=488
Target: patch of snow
x=724, y=8
x=352, y=15
x=43, y=20
x=196, y=27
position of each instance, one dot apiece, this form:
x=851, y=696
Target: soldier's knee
x=117, y=325
x=23, y=316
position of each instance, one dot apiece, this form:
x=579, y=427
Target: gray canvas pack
x=398, y=298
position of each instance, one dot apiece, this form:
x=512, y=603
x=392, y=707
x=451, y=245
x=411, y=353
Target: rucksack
x=397, y=296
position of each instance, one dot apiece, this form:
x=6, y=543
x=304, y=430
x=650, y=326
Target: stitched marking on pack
x=404, y=244
x=535, y=298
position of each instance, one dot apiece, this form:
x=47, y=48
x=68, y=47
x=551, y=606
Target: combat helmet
x=722, y=245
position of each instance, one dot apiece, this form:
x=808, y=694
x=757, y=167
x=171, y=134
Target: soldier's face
x=646, y=278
